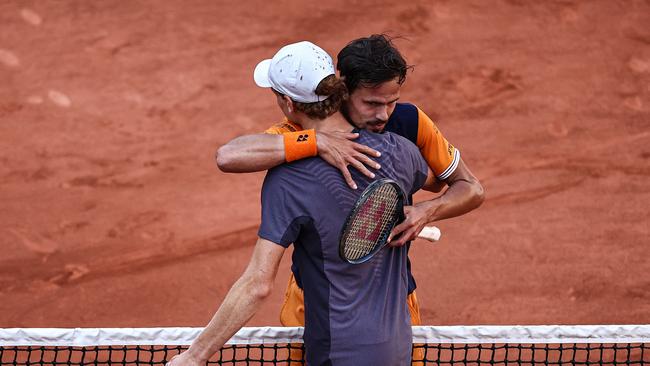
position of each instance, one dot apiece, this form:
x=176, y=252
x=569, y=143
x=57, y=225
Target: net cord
x=183, y=336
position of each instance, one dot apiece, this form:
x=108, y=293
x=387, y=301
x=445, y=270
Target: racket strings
x=372, y=222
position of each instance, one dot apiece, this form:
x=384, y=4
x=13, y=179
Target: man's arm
x=433, y=184
x=253, y=153
x=240, y=304
x=465, y=193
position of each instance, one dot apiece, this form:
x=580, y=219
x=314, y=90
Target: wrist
x=431, y=209
x=300, y=144
x=198, y=353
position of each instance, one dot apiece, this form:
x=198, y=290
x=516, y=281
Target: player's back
x=354, y=314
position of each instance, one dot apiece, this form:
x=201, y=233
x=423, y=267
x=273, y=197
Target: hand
x=416, y=218
x=337, y=149
x=185, y=359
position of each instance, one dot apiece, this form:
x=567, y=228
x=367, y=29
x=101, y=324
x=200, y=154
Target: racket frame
x=383, y=240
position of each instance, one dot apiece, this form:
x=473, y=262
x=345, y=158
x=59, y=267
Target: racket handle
x=430, y=233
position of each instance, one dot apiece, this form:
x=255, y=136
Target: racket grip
x=430, y=233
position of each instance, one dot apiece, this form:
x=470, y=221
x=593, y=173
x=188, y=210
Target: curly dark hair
x=371, y=61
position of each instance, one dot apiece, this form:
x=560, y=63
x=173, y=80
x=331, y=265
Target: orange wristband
x=299, y=145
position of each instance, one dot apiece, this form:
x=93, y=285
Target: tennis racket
x=379, y=208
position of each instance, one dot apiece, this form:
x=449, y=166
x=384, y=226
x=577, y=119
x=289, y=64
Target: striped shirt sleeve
x=441, y=156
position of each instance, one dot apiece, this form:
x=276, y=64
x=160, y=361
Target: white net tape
x=552, y=334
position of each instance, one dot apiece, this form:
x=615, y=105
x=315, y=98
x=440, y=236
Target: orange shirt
x=282, y=127
x=441, y=156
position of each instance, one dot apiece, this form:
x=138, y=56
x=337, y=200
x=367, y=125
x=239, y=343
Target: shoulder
x=387, y=141
x=400, y=160
x=283, y=171
x=296, y=186
x=296, y=175
x=404, y=121
x=405, y=113
x=404, y=144
x=282, y=127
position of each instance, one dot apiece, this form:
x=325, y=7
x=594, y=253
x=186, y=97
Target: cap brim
x=261, y=74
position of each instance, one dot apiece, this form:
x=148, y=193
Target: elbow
x=478, y=194
x=254, y=288
x=262, y=290
x=224, y=159
x=258, y=286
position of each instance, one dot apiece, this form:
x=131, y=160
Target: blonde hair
x=337, y=93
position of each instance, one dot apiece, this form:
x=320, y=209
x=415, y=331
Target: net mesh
x=535, y=354
x=535, y=345
x=275, y=354
x=371, y=223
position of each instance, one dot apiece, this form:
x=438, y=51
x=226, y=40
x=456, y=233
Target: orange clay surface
x=113, y=213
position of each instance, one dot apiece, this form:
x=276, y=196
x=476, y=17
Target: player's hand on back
x=338, y=149
x=407, y=230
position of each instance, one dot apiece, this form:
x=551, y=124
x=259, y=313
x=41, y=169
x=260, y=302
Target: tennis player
x=374, y=71
x=354, y=314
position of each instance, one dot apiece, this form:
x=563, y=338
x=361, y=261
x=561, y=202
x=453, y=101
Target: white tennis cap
x=295, y=71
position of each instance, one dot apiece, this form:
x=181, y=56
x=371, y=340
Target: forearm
x=459, y=199
x=464, y=194
x=251, y=153
x=241, y=303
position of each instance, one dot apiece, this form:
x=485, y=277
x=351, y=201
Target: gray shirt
x=354, y=314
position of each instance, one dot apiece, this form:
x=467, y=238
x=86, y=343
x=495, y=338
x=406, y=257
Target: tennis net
x=432, y=345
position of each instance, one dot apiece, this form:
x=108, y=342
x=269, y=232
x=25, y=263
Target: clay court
x=114, y=213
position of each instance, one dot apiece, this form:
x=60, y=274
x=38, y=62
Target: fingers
x=340, y=141
x=403, y=238
x=347, y=176
x=360, y=163
x=340, y=135
x=351, y=135
x=337, y=149
x=367, y=161
x=395, y=234
x=362, y=168
x=366, y=150
x=408, y=229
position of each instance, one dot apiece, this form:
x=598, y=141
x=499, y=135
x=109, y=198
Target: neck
x=335, y=122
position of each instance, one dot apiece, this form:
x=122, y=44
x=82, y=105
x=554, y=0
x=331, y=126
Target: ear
x=289, y=103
